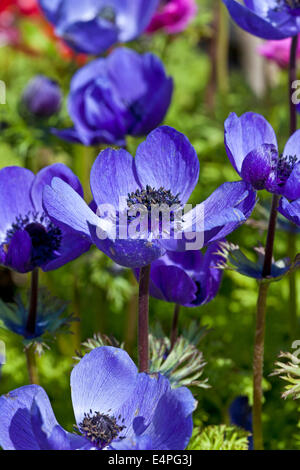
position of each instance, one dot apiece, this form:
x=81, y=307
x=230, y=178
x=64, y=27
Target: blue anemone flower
x=267, y=19
x=252, y=149
x=124, y=94
x=92, y=26
x=115, y=407
x=42, y=97
x=162, y=176
x=240, y=413
x=28, y=238
x=190, y=278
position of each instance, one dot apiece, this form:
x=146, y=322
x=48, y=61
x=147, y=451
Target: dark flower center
x=289, y=4
x=45, y=236
x=108, y=13
x=285, y=166
x=100, y=429
x=152, y=197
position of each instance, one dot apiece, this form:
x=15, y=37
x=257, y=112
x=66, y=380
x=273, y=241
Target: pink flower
x=278, y=51
x=173, y=16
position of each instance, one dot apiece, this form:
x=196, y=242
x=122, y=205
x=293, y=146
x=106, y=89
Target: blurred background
x=217, y=69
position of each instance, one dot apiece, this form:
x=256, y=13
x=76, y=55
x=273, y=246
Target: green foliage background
x=102, y=296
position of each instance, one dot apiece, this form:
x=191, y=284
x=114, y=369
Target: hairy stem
x=292, y=238
x=31, y=366
x=174, y=328
x=259, y=342
x=33, y=304
x=143, y=319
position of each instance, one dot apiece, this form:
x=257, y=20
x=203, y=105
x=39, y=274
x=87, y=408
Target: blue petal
x=172, y=424
x=258, y=167
x=220, y=214
x=112, y=178
x=16, y=429
x=102, y=381
x=15, y=186
x=260, y=26
x=290, y=210
x=19, y=252
x=45, y=176
x=50, y=8
x=134, y=17
x=139, y=410
x=173, y=283
x=133, y=443
x=244, y=134
x=71, y=247
x=66, y=208
x=131, y=253
x=167, y=159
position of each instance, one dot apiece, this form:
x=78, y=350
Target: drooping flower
x=173, y=16
x=131, y=195
x=42, y=97
x=267, y=19
x=124, y=94
x=28, y=238
x=278, y=51
x=252, y=149
x=92, y=26
x=115, y=407
x=189, y=278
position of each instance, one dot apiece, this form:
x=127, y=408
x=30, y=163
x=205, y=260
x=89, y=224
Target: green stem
x=33, y=304
x=143, y=319
x=259, y=342
x=31, y=366
x=174, y=329
x=292, y=249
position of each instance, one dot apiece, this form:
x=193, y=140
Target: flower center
x=150, y=197
x=285, y=166
x=100, y=429
x=292, y=5
x=45, y=236
x=108, y=13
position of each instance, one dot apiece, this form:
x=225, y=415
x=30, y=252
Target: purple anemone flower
x=124, y=94
x=131, y=193
x=252, y=149
x=28, y=237
x=267, y=19
x=190, y=278
x=115, y=407
x=92, y=26
x=42, y=97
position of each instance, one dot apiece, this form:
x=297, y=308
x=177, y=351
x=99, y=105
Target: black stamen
x=45, y=236
x=285, y=166
x=100, y=429
x=152, y=197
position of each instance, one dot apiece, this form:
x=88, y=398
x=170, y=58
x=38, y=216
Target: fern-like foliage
x=289, y=370
x=220, y=437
